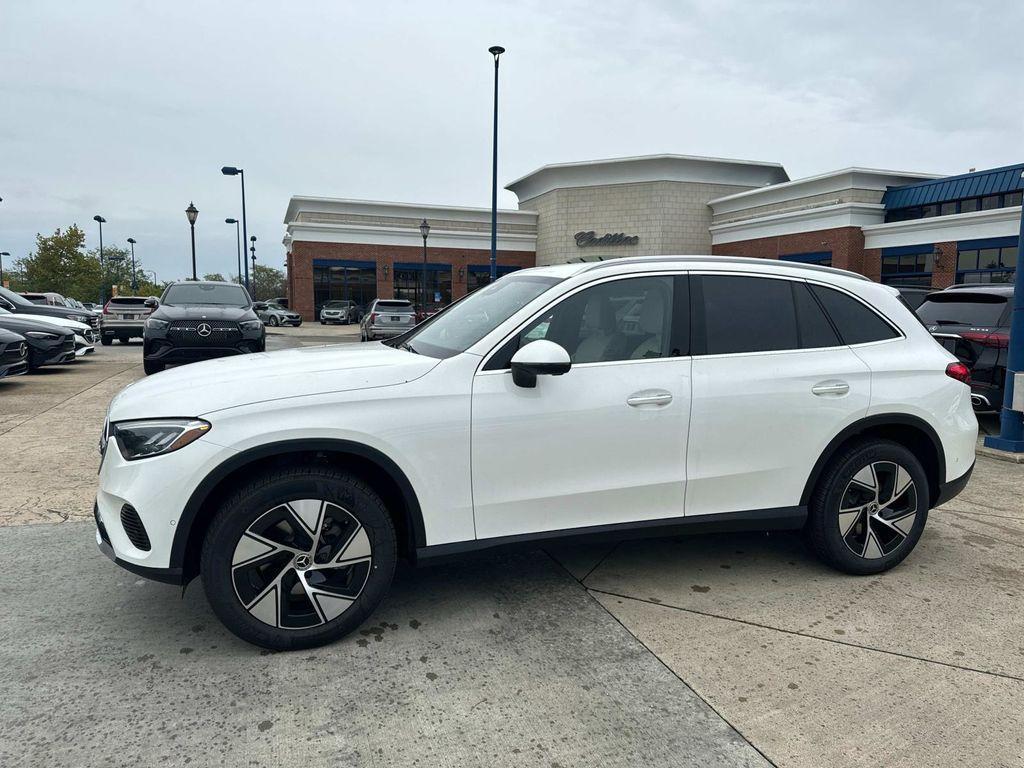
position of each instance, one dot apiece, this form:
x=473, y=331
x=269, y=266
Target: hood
x=57, y=321
x=41, y=310
x=198, y=389
x=165, y=312
x=20, y=323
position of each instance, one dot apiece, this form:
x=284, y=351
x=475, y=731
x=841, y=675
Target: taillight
x=960, y=372
x=996, y=340
x=373, y=318
x=105, y=310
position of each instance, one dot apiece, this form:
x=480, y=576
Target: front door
x=602, y=444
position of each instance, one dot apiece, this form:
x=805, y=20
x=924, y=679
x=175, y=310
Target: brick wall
x=845, y=243
x=302, y=254
x=944, y=273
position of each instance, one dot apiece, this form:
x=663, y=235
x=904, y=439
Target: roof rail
x=720, y=260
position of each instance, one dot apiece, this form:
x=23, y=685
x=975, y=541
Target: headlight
x=79, y=318
x=152, y=437
x=42, y=335
x=250, y=325
x=157, y=325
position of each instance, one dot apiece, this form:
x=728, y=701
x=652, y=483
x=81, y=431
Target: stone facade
x=669, y=217
x=802, y=204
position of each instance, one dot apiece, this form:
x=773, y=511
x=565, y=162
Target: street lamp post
x=252, y=250
x=135, y=279
x=424, y=230
x=1011, y=422
x=495, y=51
x=103, y=271
x=228, y=170
x=238, y=243
x=2, y=254
x=192, y=213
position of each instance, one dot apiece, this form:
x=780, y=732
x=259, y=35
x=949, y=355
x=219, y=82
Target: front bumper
x=160, y=350
x=13, y=369
x=157, y=488
x=51, y=354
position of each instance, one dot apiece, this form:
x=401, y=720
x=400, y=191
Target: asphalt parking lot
x=736, y=650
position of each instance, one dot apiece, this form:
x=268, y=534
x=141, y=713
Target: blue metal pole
x=1011, y=423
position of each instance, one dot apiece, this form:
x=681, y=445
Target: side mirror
x=259, y=305
x=151, y=302
x=539, y=358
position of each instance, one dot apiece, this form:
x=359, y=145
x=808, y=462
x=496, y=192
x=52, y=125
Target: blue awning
x=992, y=182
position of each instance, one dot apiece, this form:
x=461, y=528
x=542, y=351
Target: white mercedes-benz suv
x=641, y=395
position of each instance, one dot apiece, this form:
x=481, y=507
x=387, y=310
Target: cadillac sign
x=589, y=239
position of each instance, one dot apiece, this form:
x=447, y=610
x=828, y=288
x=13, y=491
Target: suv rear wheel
x=869, y=508
x=298, y=558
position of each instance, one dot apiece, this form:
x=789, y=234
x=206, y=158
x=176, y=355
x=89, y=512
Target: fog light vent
x=132, y=524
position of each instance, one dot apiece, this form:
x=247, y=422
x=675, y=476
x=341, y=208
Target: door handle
x=831, y=388
x=649, y=397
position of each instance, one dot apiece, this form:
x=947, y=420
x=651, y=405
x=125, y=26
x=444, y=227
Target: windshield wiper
x=407, y=347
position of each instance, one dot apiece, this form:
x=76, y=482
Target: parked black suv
x=19, y=305
x=13, y=354
x=48, y=344
x=973, y=322
x=200, y=320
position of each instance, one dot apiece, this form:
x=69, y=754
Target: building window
x=824, y=258
x=345, y=280
x=480, y=275
x=1013, y=198
x=409, y=284
x=901, y=268
x=947, y=209
x=993, y=264
x=967, y=206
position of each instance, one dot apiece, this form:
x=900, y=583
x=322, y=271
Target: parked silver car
x=124, y=318
x=274, y=314
x=386, y=318
x=339, y=311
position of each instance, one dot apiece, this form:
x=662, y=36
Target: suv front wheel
x=298, y=558
x=869, y=508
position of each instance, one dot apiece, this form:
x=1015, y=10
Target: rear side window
x=812, y=323
x=746, y=314
x=855, y=322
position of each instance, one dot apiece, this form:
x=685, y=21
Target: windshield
x=962, y=309
x=467, y=321
x=14, y=298
x=205, y=295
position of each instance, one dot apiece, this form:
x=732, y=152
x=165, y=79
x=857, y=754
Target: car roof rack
x=720, y=260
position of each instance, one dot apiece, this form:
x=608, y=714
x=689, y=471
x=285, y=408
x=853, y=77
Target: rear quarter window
x=856, y=323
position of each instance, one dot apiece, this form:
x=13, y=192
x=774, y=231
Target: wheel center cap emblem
x=204, y=329
x=302, y=562
x=872, y=508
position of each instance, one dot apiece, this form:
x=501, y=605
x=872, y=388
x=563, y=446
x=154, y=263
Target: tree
x=267, y=283
x=214, y=276
x=60, y=264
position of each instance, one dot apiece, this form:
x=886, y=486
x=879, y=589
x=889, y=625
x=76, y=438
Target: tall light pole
x=103, y=271
x=192, y=213
x=252, y=250
x=2, y=254
x=495, y=51
x=135, y=279
x=1011, y=422
x=424, y=230
x=239, y=244
x=228, y=170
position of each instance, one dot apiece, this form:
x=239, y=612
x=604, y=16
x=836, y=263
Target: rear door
x=772, y=385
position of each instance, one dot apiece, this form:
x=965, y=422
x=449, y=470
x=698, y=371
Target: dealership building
x=897, y=227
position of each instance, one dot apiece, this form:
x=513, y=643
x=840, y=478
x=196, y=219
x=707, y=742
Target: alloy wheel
x=301, y=564
x=878, y=509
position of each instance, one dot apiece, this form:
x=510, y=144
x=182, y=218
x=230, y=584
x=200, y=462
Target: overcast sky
x=129, y=109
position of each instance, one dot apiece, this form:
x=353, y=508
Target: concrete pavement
x=716, y=650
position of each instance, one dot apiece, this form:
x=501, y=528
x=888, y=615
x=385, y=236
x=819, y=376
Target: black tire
x=106, y=341
x=151, y=367
x=273, y=321
x=122, y=339
x=248, y=507
x=874, y=461
x=323, y=322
